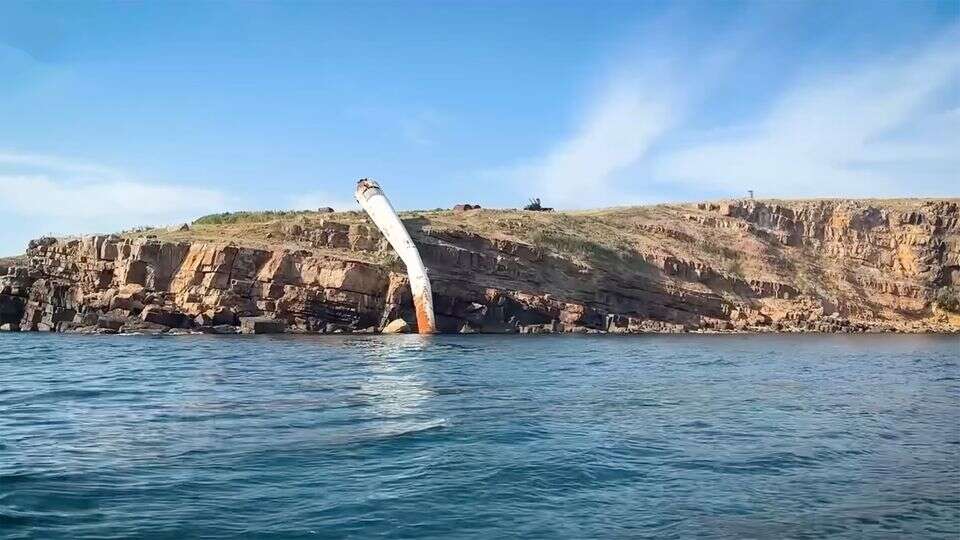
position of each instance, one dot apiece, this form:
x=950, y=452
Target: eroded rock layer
x=825, y=266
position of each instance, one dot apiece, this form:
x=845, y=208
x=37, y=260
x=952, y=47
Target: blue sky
x=115, y=115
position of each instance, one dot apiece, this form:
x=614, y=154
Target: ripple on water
x=479, y=437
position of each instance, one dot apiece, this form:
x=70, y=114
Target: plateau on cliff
x=742, y=265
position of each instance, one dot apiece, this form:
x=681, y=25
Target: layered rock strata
x=824, y=266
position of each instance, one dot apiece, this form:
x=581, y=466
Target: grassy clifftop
x=747, y=239
x=725, y=264
x=7, y=262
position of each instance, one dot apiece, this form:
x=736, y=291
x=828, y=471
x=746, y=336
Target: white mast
x=375, y=203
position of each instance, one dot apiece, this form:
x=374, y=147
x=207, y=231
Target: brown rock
x=110, y=323
x=128, y=298
x=261, y=325
x=226, y=329
x=396, y=326
x=160, y=315
x=89, y=318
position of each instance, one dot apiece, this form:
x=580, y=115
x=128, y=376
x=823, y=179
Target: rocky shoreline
x=732, y=266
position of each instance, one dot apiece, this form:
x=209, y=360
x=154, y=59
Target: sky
x=122, y=114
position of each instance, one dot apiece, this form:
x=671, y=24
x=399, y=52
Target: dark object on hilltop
x=536, y=206
x=465, y=207
x=325, y=210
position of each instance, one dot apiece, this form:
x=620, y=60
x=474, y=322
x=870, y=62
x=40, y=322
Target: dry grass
x=608, y=238
x=248, y=217
x=19, y=260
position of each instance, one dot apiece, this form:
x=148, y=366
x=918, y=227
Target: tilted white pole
x=375, y=203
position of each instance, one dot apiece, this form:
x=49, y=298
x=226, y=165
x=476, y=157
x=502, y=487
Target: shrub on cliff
x=570, y=244
x=247, y=217
x=948, y=299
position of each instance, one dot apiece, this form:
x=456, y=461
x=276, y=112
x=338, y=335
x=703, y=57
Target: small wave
x=412, y=429
x=17, y=478
x=57, y=395
x=105, y=438
x=450, y=391
x=10, y=518
x=386, y=432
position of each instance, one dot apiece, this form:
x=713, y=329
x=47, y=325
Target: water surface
x=479, y=436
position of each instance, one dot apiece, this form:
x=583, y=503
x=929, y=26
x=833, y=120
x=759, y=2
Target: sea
x=479, y=436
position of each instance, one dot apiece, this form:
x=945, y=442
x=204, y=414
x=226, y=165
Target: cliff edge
x=743, y=265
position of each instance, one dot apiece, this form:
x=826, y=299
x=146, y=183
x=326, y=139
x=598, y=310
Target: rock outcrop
x=261, y=325
x=397, y=326
x=825, y=266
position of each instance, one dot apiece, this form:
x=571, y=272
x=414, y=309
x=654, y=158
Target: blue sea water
x=479, y=436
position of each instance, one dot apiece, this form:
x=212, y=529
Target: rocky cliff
x=819, y=265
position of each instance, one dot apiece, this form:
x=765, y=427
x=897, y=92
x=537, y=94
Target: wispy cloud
x=38, y=196
x=83, y=197
x=646, y=94
x=615, y=133
x=880, y=128
x=73, y=168
x=421, y=127
x=418, y=126
x=24, y=74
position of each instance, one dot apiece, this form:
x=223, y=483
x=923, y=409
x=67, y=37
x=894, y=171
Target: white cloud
x=648, y=92
x=38, y=196
x=61, y=196
x=71, y=167
x=889, y=126
x=65, y=196
x=52, y=195
x=874, y=130
x=614, y=134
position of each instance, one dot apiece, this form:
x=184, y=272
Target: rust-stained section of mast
x=376, y=205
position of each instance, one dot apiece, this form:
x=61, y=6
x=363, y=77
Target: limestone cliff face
x=741, y=265
x=879, y=262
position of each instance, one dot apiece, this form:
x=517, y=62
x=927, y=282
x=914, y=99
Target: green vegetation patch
x=570, y=244
x=226, y=218
x=948, y=299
